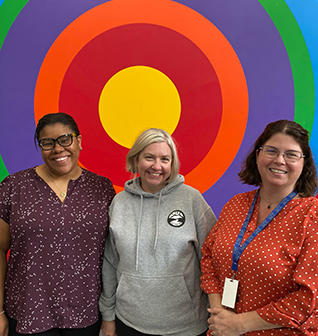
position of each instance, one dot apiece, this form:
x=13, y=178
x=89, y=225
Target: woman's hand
x=108, y=328
x=223, y=322
x=4, y=325
x=5, y=239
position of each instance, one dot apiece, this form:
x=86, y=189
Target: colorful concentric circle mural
x=212, y=73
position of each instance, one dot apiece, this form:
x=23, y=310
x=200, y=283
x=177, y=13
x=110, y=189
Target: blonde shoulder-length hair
x=147, y=138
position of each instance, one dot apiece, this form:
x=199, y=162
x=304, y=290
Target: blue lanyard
x=238, y=248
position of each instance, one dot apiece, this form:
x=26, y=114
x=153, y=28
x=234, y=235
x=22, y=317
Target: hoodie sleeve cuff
x=107, y=310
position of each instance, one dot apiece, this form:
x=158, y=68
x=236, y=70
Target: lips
x=61, y=159
x=277, y=171
x=154, y=174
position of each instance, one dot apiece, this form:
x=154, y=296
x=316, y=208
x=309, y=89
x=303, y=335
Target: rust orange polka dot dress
x=278, y=270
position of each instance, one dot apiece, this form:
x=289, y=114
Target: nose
x=280, y=158
x=156, y=164
x=57, y=147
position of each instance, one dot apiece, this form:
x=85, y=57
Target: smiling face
x=277, y=172
x=154, y=166
x=60, y=160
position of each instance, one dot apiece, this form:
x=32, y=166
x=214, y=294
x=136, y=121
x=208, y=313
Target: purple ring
x=246, y=25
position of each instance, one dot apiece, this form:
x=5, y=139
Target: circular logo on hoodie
x=176, y=218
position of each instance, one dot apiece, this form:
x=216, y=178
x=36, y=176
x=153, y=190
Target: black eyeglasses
x=64, y=140
x=289, y=156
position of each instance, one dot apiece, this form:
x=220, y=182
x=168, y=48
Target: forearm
x=215, y=300
x=251, y=321
x=4, y=326
x=5, y=240
x=223, y=322
x=3, y=270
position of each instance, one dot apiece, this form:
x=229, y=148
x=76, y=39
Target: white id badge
x=229, y=293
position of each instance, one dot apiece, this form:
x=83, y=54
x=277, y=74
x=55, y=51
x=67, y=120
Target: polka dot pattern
x=53, y=277
x=277, y=272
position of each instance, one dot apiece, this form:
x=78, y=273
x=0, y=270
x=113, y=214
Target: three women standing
x=54, y=219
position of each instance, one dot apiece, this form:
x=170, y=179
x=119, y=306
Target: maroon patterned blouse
x=54, y=269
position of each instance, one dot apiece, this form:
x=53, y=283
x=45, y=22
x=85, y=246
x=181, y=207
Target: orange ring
x=174, y=16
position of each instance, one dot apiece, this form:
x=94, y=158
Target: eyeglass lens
x=273, y=152
x=64, y=141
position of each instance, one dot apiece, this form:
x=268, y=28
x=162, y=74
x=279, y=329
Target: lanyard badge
x=229, y=292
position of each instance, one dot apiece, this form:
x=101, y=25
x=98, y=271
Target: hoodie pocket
x=155, y=304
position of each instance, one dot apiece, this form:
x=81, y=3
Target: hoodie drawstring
x=138, y=233
x=139, y=226
x=157, y=225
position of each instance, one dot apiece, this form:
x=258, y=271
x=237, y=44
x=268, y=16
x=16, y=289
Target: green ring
x=299, y=58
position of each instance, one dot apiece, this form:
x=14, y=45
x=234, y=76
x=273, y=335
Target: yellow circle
x=135, y=99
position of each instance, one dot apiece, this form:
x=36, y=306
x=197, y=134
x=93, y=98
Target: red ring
x=176, y=17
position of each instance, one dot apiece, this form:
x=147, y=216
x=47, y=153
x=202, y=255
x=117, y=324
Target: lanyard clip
x=233, y=275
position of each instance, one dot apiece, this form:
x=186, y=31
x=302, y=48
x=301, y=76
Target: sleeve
x=210, y=276
x=5, y=199
x=109, y=189
x=299, y=309
x=204, y=226
x=209, y=280
x=107, y=301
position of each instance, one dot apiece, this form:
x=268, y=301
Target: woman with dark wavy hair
x=307, y=182
x=259, y=264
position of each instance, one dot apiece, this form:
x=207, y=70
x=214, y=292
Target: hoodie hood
x=134, y=187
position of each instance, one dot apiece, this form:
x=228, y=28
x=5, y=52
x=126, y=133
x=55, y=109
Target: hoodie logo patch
x=176, y=218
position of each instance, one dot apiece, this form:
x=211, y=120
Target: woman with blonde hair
x=151, y=270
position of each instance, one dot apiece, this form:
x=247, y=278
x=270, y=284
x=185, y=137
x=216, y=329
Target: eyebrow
x=165, y=156
x=288, y=150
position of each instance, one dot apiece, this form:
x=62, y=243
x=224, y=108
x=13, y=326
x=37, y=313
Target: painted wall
x=212, y=73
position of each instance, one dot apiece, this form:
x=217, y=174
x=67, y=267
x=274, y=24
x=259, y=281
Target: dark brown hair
x=55, y=118
x=306, y=184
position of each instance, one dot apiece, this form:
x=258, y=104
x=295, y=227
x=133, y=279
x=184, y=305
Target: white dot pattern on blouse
x=277, y=272
x=54, y=270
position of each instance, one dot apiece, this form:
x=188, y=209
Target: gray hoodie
x=151, y=269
